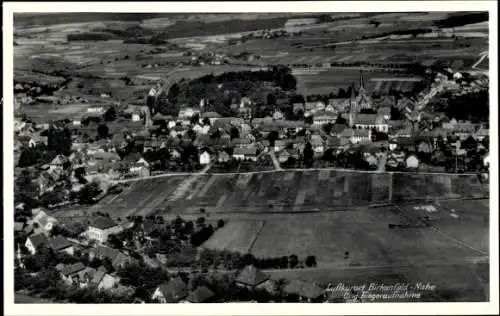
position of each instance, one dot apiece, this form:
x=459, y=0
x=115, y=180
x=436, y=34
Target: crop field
x=332, y=80
x=39, y=112
x=377, y=252
x=288, y=192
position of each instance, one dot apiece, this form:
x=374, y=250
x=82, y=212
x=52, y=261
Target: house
x=322, y=118
x=34, y=241
x=204, y=158
x=159, y=118
x=298, y=107
x=61, y=244
x=201, y=294
x=305, y=291
x=412, y=162
x=279, y=145
x=103, y=280
x=136, y=116
x=60, y=161
x=403, y=143
x=337, y=129
x=211, y=116
x=278, y=115
x=140, y=168
x=44, y=221
x=117, y=258
x=330, y=109
x=371, y=121
x=251, y=278
x=187, y=113
x=223, y=157
x=71, y=273
x=357, y=136
x=18, y=227
x=245, y=154
x=171, y=292
x=317, y=145
x=101, y=227
x=283, y=156
x=241, y=142
x=340, y=104
x=424, y=147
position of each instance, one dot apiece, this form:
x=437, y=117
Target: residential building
x=245, y=154
x=69, y=273
x=240, y=142
x=171, y=292
x=44, y=221
x=305, y=291
x=205, y=158
x=188, y=113
x=223, y=157
x=201, y=294
x=251, y=278
x=322, y=118
x=117, y=258
x=101, y=227
x=412, y=162
x=371, y=121
x=61, y=244
x=34, y=241
x=140, y=168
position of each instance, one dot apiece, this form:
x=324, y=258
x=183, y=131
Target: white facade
x=205, y=158
x=101, y=235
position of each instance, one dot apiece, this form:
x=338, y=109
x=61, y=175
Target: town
x=82, y=236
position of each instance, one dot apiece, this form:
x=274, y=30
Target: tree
x=327, y=128
x=342, y=94
x=308, y=119
x=103, y=131
x=88, y=193
x=234, y=132
x=271, y=99
x=308, y=155
x=311, y=261
x=220, y=223
x=341, y=120
x=111, y=114
x=272, y=137
x=293, y=261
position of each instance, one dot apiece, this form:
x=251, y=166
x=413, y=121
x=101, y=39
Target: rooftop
x=252, y=276
x=102, y=222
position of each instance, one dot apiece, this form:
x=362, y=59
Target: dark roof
x=98, y=276
x=106, y=252
x=304, y=289
x=73, y=268
x=38, y=240
x=18, y=226
x=174, y=291
x=338, y=128
x=102, y=222
x=252, y=276
x=200, y=294
x=245, y=151
x=59, y=243
x=368, y=119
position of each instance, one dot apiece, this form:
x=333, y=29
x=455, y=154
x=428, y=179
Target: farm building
x=201, y=294
x=61, y=244
x=35, y=241
x=245, y=154
x=171, y=292
x=116, y=257
x=252, y=278
x=305, y=291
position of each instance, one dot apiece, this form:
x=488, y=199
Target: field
x=41, y=111
x=328, y=81
x=377, y=253
x=286, y=192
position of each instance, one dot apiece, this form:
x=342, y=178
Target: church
x=358, y=101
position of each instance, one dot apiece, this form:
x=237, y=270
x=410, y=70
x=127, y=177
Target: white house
x=101, y=227
x=412, y=162
x=188, y=112
x=44, y=221
x=245, y=154
x=205, y=158
x=136, y=117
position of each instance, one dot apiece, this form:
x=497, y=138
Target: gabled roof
x=211, y=115
x=368, y=119
x=39, y=239
x=304, y=289
x=174, y=291
x=59, y=243
x=43, y=219
x=337, y=128
x=98, y=276
x=200, y=294
x=102, y=222
x=106, y=252
x=245, y=151
x=252, y=276
x=73, y=268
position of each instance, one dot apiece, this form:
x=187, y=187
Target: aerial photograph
x=320, y=157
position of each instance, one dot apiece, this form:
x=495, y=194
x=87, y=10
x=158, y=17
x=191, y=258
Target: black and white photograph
x=339, y=155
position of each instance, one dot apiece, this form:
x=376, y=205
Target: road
x=382, y=161
x=275, y=161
